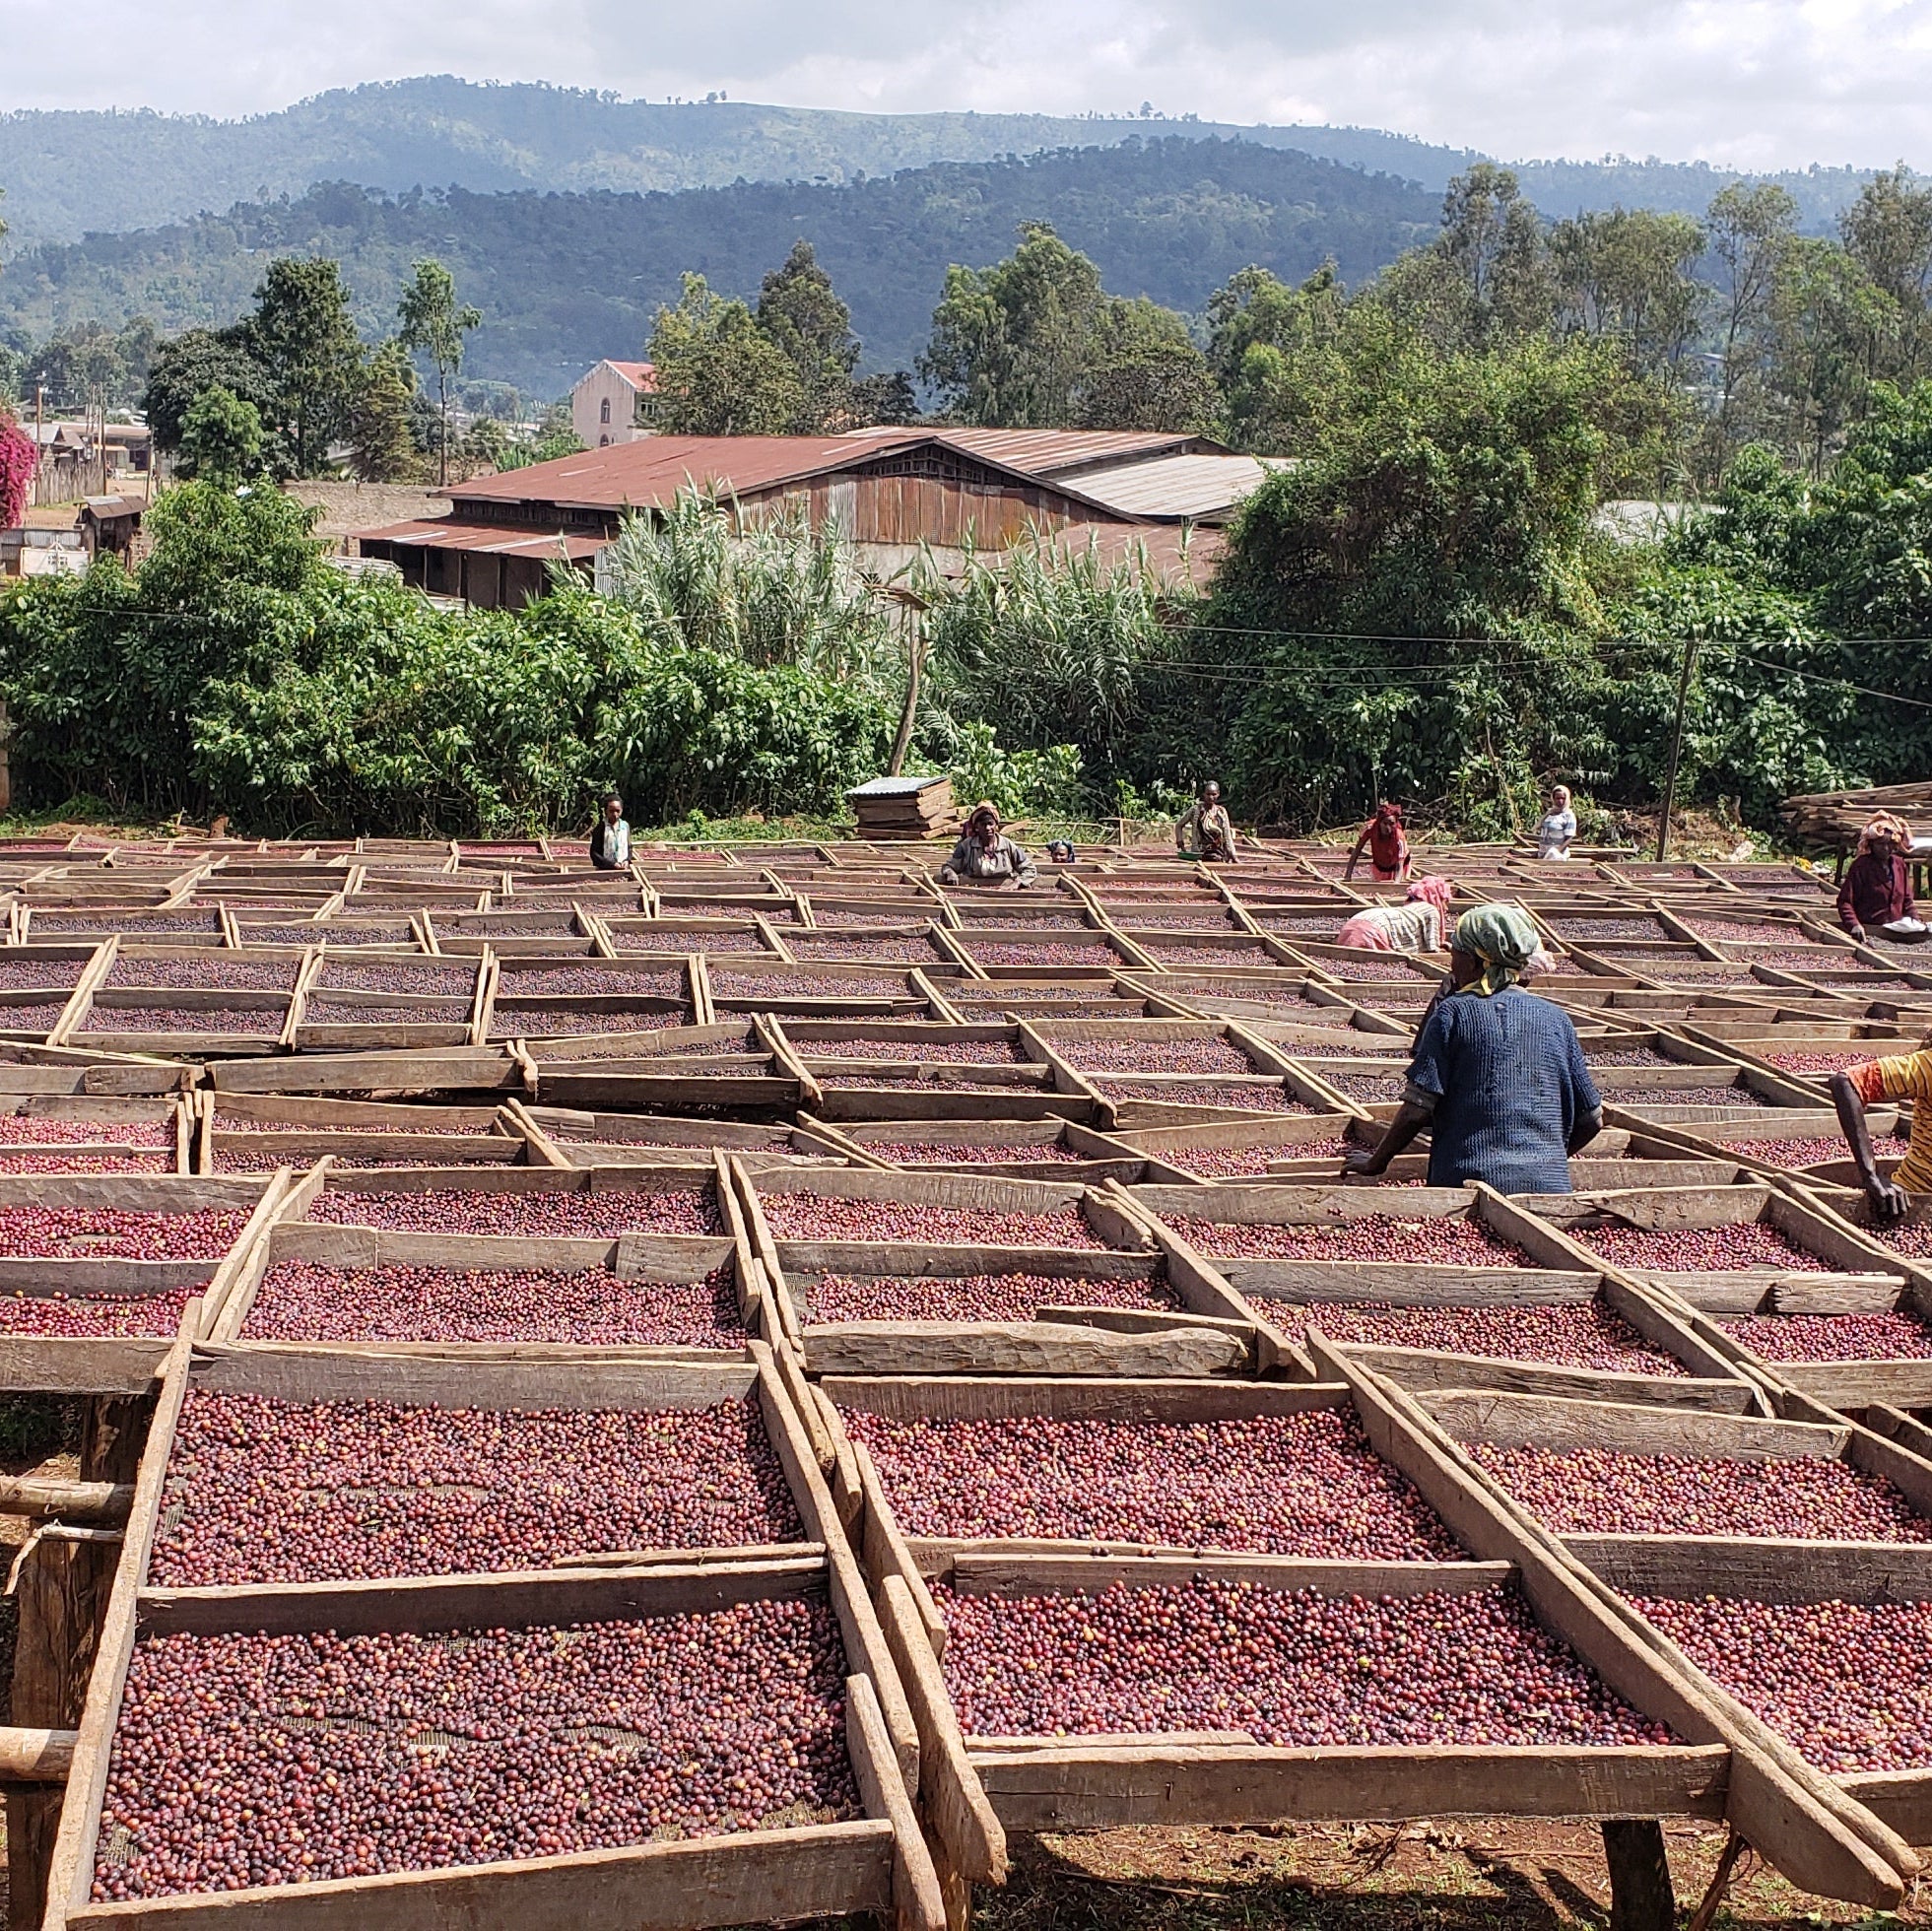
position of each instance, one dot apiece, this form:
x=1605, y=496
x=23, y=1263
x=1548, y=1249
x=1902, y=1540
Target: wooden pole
x=1641, y=1896
x=62, y=1594
x=1676, y=746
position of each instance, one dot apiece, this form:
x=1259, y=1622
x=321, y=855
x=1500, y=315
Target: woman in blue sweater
x=1497, y=1079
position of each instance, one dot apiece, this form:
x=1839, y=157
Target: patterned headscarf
x=984, y=810
x=1885, y=824
x=1502, y=938
x=1433, y=891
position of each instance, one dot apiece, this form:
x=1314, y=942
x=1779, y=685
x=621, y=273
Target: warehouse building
x=950, y=491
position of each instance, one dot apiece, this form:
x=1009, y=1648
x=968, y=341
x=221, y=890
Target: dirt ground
x=1490, y=1874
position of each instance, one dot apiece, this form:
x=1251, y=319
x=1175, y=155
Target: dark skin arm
x=1362, y=1164
x=1354, y=857
x=1586, y=1129
x=1888, y=1203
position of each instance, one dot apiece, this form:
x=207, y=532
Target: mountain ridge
x=564, y=278
x=71, y=172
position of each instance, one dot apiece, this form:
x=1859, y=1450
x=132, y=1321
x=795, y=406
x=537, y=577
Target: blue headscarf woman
x=1497, y=1079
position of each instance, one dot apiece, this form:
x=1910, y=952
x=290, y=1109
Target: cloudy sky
x=1750, y=82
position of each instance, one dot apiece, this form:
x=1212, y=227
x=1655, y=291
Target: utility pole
x=1676, y=745
x=39, y=440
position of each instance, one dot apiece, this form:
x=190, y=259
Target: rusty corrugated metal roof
x=651, y=470
x=492, y=539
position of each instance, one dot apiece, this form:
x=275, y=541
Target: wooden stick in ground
x=1640, y=1895
x=1705, y=1914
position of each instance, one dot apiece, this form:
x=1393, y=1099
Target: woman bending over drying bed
x=1497, y=1079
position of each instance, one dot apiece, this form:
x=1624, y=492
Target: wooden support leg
x=113, y=1432
x=1641, y=1896
x=62, y=1596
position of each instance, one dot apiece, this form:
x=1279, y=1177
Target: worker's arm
x=1428, y=1079
x=1025, y=871
x=1889, y=1202
x=1848, y=911
x=1354, y=857
x=1585, y=1101
x=1184, y=829
x=1410, y=1120
x=1905, y=885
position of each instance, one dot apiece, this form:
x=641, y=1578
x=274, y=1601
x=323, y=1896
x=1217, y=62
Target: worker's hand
x=1888, y=1203
x=1359, y=1164
x=1008, y=885
x=1858, y=933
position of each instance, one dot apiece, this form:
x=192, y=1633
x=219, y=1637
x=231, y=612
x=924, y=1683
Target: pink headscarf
x=1433, y=891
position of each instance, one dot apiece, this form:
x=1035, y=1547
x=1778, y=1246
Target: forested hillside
x=563, y=278
x=69, y=174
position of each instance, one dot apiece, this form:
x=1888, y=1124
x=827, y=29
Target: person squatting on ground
x=1877, y=889
x=985, y=855
x=1497, y=1077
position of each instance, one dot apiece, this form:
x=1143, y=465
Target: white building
x=612, y=404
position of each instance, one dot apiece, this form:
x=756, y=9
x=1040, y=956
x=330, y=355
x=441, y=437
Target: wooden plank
x=1403, y=1284
x=916, y=1902
x=1420, y=1370
x=1555, y=1426
x=747, y=1878
x=1040, y=1568
x=1071, y=1787
x=968, y=1398
x=504, y=1599
x=1757, y=1569
x=848, y=1348
x=950, y=1788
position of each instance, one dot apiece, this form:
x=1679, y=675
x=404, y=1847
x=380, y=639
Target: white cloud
x=1755, y=82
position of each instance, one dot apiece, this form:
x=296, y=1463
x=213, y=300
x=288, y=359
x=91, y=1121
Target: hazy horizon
x=1746, y=84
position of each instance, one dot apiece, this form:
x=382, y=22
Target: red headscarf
x=1433, y=891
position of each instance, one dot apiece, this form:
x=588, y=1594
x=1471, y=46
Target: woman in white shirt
x=1559, y=828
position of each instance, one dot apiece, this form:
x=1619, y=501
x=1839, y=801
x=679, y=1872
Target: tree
x=1011, y=343
x=718, y=374
x=1278, y=354
x=435, y=325
x=1627, y=274
x=1146, y=373
x=1831, y=332
x=19, y=459
x=1888, y=233
x=302, y=335
x=379, y=435
x=800, y=314
x=221, y=439
x=889, y=397
x=81, y=366
x=196, y=361
x=1490, y=239
x=1749, y=230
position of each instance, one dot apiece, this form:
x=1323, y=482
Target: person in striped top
x=1908, y=1077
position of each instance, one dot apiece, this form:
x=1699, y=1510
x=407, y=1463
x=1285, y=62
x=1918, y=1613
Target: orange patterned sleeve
x=1867, y=1081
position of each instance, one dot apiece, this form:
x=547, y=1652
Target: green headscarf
x=1502, y=938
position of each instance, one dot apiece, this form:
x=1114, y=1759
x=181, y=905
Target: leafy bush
x=236, y=671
